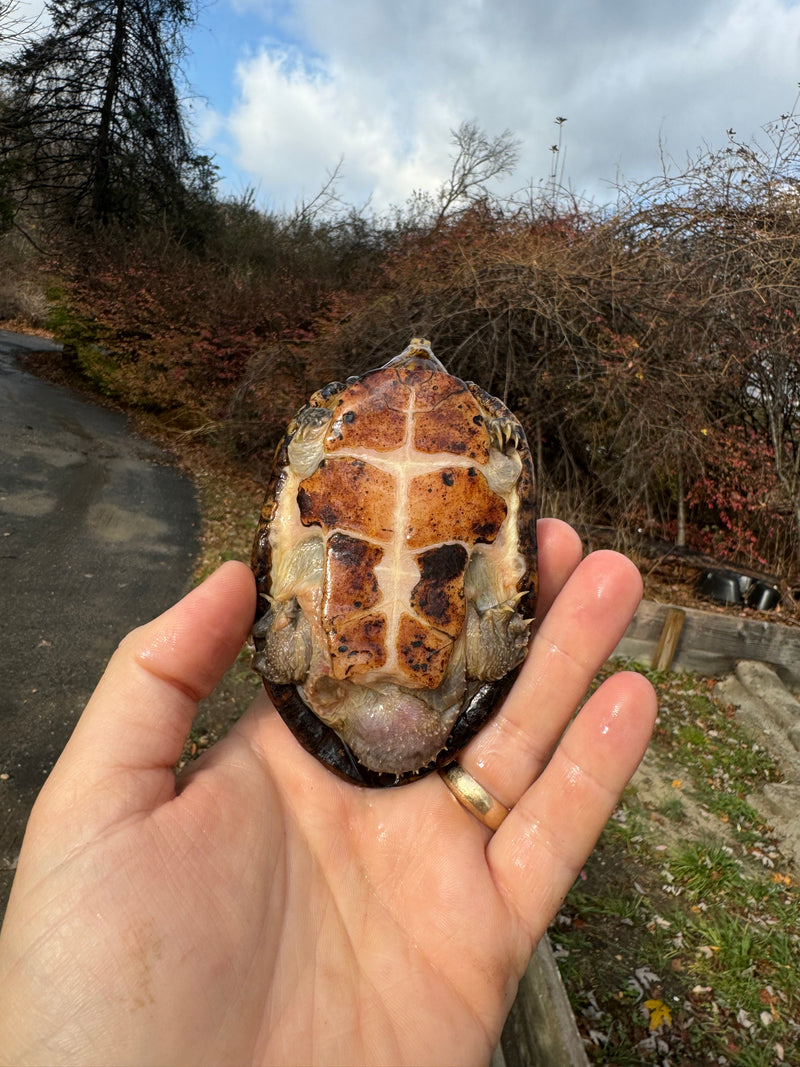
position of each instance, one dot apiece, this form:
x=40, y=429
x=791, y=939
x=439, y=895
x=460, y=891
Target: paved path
x=97, y=534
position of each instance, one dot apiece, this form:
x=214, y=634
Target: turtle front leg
x=307, y=446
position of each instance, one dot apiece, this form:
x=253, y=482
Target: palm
x=267, y=911
x=388, y=882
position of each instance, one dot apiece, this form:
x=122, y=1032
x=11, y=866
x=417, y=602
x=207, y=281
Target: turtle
x=396, y=567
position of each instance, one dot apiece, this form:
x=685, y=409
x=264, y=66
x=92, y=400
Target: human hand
x=261, y=910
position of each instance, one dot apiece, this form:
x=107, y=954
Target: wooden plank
x=668, y=641
x=540, y=1030
x=711, y=643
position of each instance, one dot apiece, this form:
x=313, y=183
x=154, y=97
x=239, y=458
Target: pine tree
x=90, y=115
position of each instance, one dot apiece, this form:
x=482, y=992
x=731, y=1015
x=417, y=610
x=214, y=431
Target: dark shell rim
x=324, y=744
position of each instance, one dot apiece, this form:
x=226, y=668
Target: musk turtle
x=395, y=561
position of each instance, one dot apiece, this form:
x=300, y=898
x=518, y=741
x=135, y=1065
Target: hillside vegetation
x=650, y=350
x=650, y=347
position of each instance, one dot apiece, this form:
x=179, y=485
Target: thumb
x=120, y=758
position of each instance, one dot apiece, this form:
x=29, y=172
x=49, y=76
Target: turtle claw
x=504, y=434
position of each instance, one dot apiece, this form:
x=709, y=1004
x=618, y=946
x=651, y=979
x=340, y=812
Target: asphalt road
x=97, y=534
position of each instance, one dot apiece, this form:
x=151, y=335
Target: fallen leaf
x=707, y=951
x=660, y=1015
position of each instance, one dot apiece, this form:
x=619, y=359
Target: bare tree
x=13, y=27
x=476, y=161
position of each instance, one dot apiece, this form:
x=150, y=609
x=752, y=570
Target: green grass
x=672, y=808
x=684, y=916
x=82, y=340
x=702, y=869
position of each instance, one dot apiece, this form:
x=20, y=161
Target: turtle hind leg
x=283, y=643
x=496, y=640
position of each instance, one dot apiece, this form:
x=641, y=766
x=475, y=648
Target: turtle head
x=419, y=351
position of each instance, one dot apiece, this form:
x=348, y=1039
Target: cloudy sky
x=285, y=89
x=290, y=87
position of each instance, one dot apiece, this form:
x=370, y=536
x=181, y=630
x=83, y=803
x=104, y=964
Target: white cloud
x=295, y=121
x=382, y=84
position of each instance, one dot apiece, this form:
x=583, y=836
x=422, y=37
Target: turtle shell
x=395, y=560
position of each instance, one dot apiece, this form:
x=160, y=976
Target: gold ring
x=473, y=796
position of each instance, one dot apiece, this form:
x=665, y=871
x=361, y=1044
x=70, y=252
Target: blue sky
x=288, y=88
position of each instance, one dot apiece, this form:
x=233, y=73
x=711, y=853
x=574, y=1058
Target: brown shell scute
x=350, y=581
x=423, y=653
x=348, y=494
x=453, y=504
x=453, y=423
x=396, y=568
x=356, y=635
x=438, y=597
x=357, y=644
x=370, y=415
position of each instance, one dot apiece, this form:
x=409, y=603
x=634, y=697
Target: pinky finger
x=542, y=845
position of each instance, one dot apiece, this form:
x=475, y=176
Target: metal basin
x=721, y=585
x=763, y=597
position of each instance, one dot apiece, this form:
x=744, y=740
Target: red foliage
x=735, y=505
